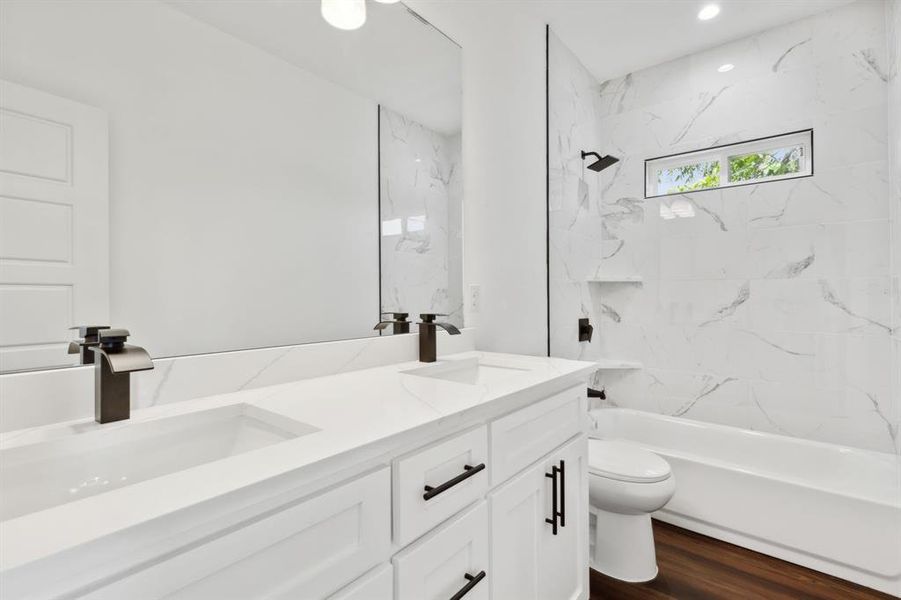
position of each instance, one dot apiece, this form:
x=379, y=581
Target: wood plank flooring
x=696, y=567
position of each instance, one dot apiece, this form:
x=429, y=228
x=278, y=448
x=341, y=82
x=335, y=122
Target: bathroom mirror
x=215, y=176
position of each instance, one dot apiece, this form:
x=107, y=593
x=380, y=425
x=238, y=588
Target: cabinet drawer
x=378, y=584
x=449, y=559
x=306, y=549
x=432, y=484
x=521, y=438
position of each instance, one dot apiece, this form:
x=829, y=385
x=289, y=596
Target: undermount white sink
x=471, y=371
x=43, y=475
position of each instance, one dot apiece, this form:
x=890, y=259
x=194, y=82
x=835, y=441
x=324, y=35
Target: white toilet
x=625, y=485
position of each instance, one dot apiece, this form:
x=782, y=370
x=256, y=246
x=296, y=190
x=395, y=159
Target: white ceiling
x=616, y=37
x=394, y=59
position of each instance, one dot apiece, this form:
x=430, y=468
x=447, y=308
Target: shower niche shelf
x=624, y=279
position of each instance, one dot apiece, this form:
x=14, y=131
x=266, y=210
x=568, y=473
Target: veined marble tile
x=859, y=362
x=692, y=395
x=705, y=257
x=765, y=306
x=705, y=303
x=848, y=193
x=838, y=415
x=421, y=191
x=851, y=306
x=837, y=250
x=849, y=138
x=573, y=257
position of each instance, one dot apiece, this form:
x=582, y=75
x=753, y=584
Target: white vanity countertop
x=351, y=410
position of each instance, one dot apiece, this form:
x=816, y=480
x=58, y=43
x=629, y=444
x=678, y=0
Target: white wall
x=504, y=203
x=243, y=189
x=769, y=307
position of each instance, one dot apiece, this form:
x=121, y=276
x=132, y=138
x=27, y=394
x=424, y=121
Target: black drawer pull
x=562, y=493
x=558, y=503
x=469, y=471
x=555, y=471
x=472, y=580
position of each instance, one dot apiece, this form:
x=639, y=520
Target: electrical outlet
x=475, y=298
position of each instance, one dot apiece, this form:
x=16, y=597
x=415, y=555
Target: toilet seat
x=622, y=461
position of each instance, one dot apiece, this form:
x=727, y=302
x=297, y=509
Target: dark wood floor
x=693, y=566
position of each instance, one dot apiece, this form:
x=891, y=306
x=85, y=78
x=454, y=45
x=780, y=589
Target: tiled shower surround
x=421, y=214
x=769, y=306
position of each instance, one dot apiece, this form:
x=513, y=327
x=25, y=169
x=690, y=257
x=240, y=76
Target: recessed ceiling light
x=708, y=12
x=726, y=68
x=344, y=14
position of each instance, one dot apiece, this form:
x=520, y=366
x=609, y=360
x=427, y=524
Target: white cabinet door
x=448, y=562
x=564, y=557
x=378, y=584
x=528, y=560
x=304, y=551
x=54, y=225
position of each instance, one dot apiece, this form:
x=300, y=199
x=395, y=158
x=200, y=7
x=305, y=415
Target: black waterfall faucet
x=428, y=338
x=114, y=362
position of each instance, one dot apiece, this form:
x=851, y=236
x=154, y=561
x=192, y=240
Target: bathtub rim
x=765, y=473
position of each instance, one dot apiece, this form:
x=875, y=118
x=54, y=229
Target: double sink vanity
x=462, y=478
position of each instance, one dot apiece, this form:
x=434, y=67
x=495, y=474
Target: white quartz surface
x=351, y=410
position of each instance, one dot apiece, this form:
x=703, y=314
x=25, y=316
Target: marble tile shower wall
x=893, y=32
x=767, y=307
x=421, y=213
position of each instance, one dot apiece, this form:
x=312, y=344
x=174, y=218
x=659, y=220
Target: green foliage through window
x=687, y=178
x=759, y=165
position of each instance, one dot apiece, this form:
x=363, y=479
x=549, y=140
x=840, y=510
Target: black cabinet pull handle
x=562, y=493
x=554, y=512
x=469, y=471
x=472, y=581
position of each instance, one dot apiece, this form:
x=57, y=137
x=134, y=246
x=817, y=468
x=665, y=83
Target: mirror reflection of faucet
x=114, y=362
x=89, y=339
x=399, y=322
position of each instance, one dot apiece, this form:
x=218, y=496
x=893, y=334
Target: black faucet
x=399, y=321
x=428, y=336
x=115, y=361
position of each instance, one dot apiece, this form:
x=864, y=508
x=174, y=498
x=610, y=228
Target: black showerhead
x=601, y=163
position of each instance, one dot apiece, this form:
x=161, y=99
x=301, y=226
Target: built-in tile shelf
x=613, y=364
x=624, y=279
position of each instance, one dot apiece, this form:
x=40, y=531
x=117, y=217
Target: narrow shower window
x=755, y=161
x=689, y=177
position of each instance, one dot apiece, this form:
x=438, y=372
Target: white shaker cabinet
x=306, y=550
x=450, y=562
x=535, y=553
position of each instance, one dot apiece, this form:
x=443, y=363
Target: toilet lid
x=625, y=462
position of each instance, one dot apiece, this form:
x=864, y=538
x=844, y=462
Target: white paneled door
x=54, y=224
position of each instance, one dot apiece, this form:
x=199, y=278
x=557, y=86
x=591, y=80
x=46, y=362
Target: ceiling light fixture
x=344, y=14
x=387, y=1
x=708, y=12
x=726, y=68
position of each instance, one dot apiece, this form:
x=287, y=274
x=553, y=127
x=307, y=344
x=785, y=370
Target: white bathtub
x=831, y=508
